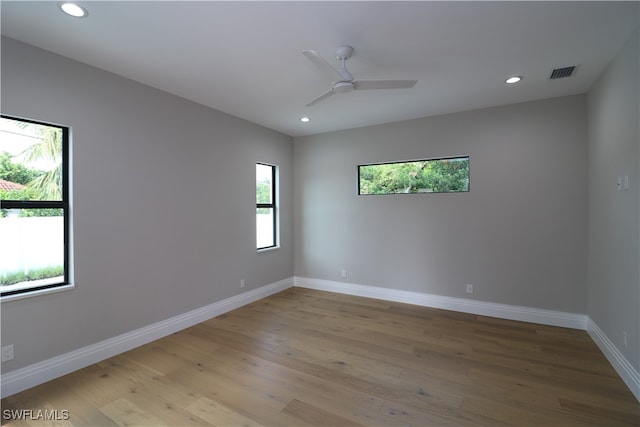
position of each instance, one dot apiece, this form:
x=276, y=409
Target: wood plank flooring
x=311, y=358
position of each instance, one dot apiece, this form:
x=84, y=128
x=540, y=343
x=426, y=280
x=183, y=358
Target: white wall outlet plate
x=7, y=352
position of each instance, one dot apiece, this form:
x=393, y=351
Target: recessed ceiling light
x=73, y=9
x=513, y=79
x=305, y=119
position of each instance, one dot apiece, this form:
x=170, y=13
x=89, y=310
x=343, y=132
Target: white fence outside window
x=30, y=243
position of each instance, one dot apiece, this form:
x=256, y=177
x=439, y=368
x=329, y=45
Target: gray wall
x=163, y=204
x=519, y=235
x=614, y=220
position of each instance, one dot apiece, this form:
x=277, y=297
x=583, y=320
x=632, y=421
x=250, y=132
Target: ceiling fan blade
x=383, y=84
x=320, y=98
x=323, y=65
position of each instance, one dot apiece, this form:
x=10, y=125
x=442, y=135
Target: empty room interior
x=446, y=226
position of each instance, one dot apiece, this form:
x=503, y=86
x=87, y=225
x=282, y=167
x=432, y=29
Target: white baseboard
x=502, y=311
x=627, y=372
x=41, y=372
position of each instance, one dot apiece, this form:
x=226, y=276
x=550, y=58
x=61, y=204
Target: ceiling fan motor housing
x=344, y=52
x=343, y=87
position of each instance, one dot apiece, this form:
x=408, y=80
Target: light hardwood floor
x=304, y=357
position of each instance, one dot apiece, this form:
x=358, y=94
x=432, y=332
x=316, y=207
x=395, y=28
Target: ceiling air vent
x=560, y=73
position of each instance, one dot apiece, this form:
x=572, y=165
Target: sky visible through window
x=15, y=140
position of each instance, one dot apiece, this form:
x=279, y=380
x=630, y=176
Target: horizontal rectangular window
x=446, y=175
x=34, y=207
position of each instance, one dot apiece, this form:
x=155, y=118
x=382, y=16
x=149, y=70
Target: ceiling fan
x=343, y=81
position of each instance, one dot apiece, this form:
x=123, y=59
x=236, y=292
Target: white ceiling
x=245, y=58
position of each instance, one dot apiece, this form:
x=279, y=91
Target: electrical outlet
x=7, y=352
x=241, y=283
x=625, y=339
x=469, y=289
x=343, y=273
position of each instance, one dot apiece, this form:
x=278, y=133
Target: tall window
x=266, y=219
x=34, y=206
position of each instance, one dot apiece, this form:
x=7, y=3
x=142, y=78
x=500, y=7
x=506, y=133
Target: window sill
x=273, y=248
x=37, y=293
